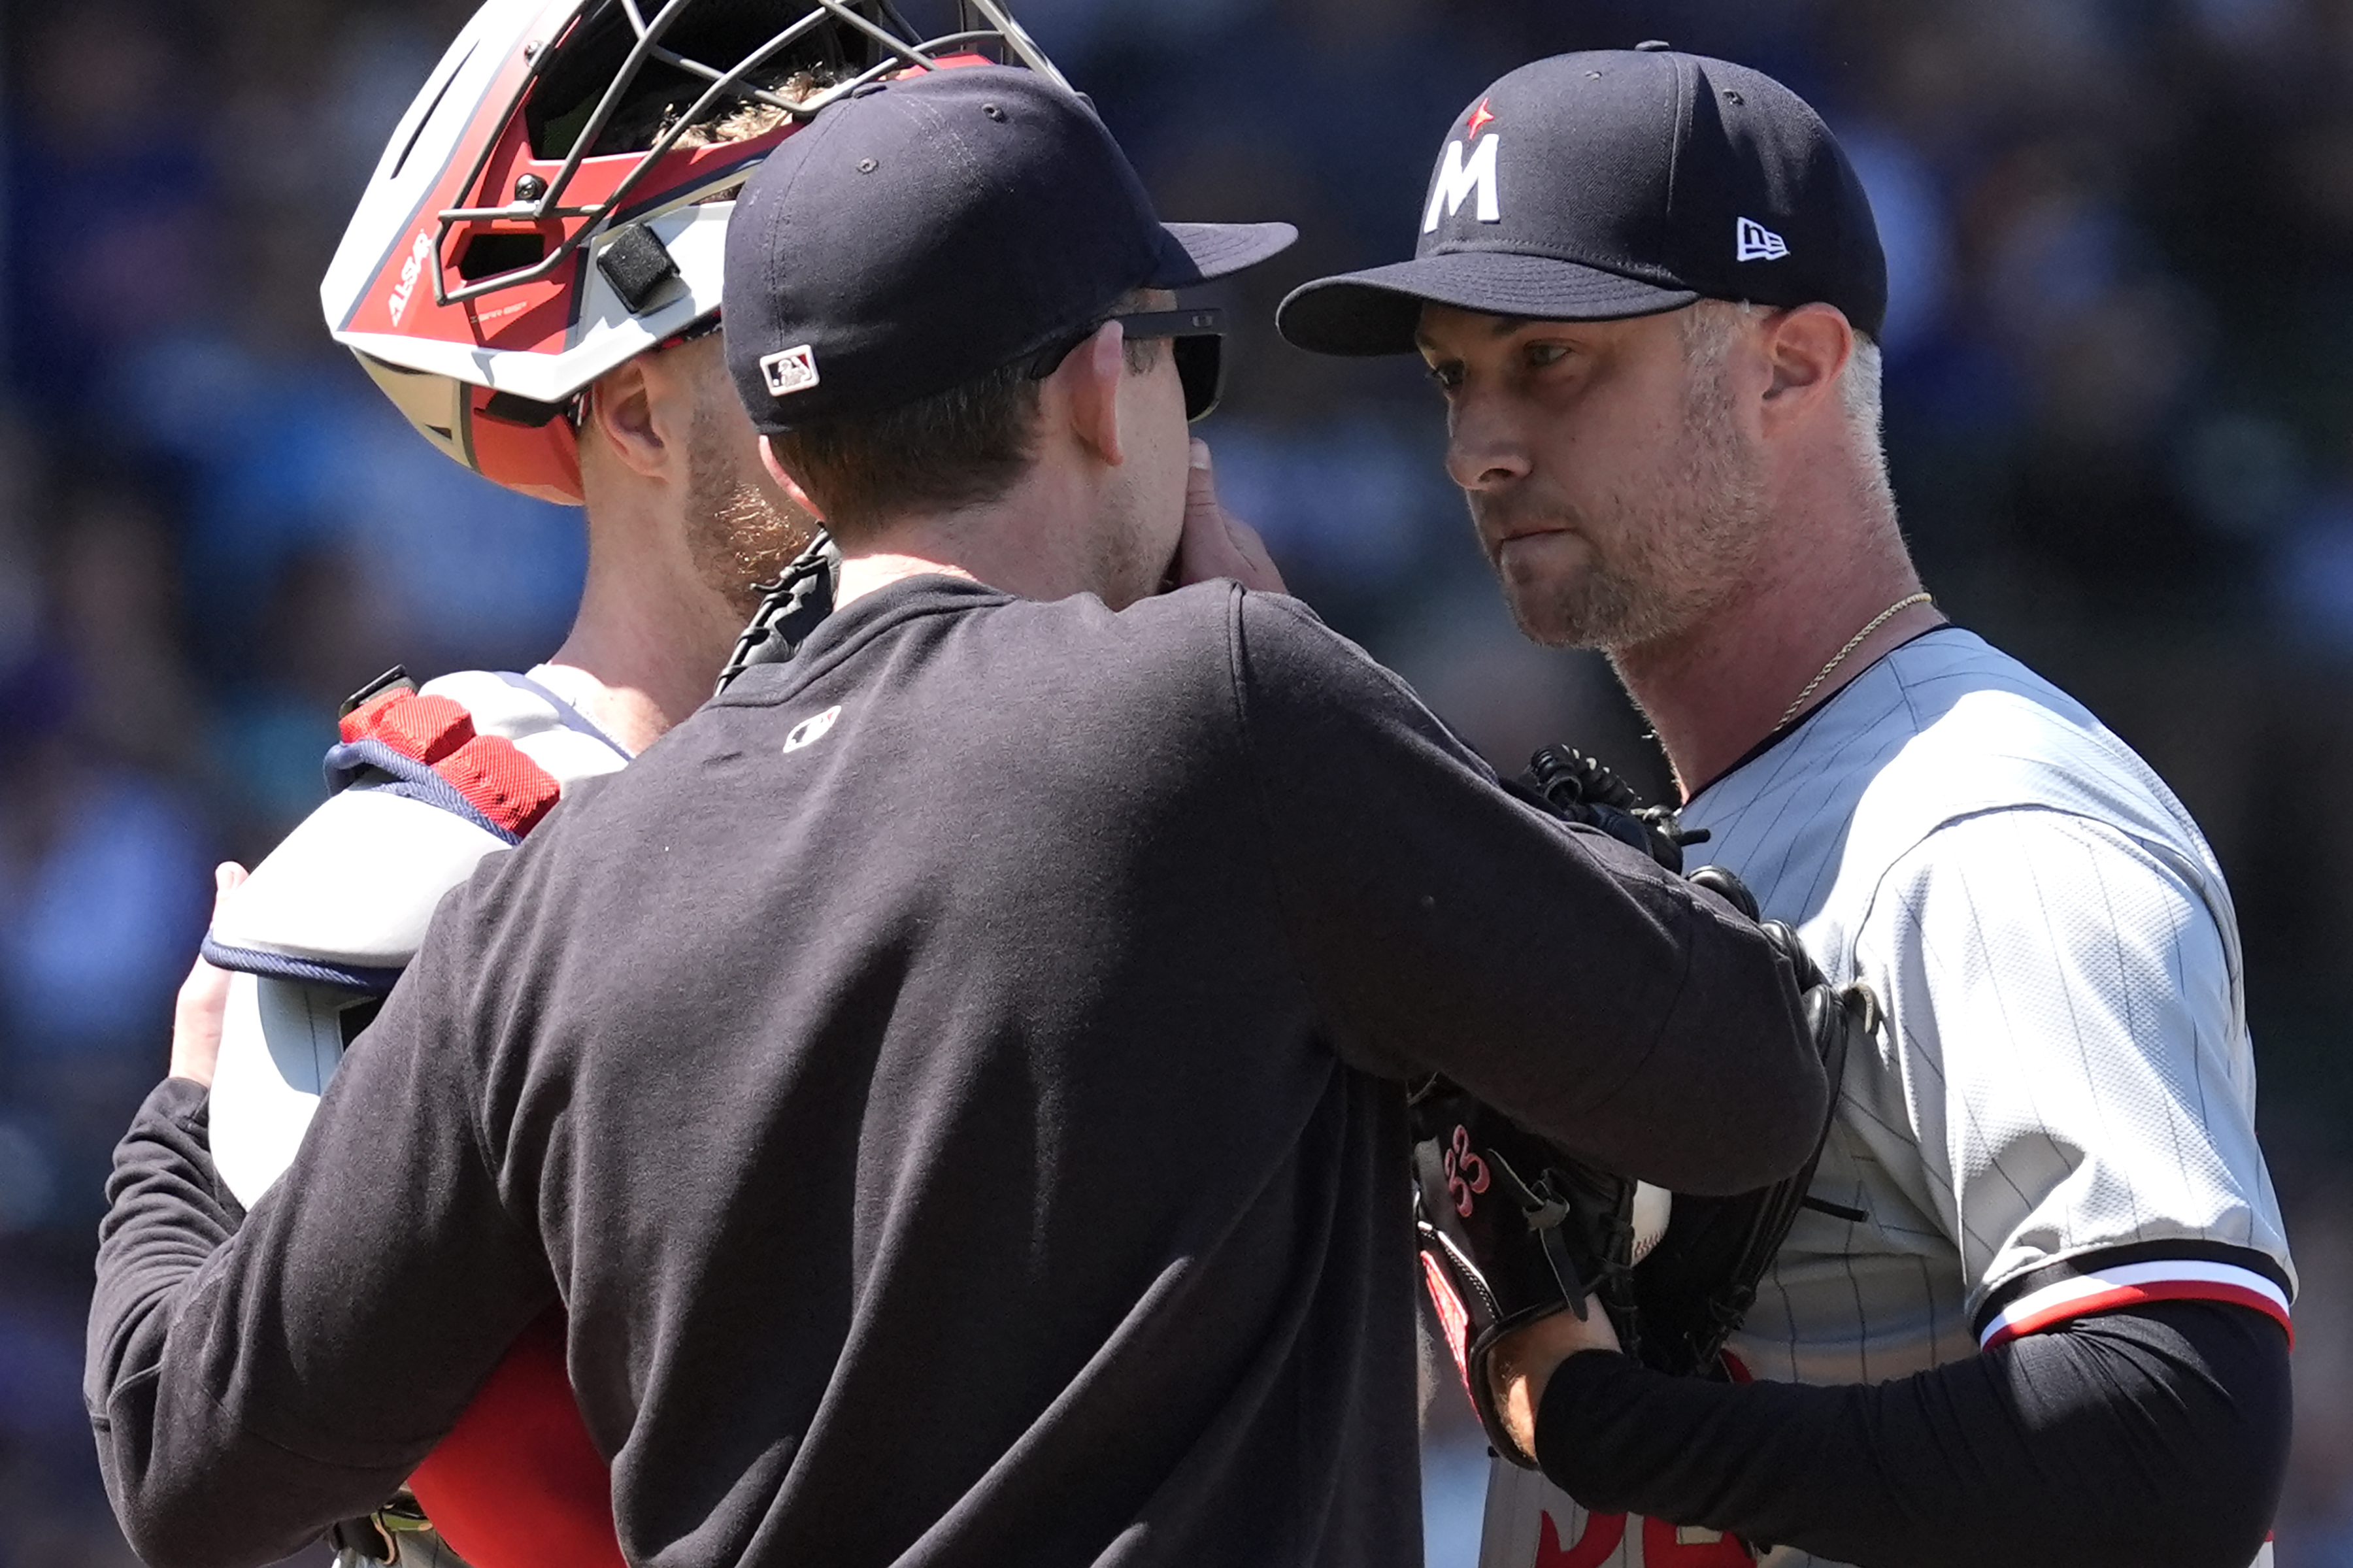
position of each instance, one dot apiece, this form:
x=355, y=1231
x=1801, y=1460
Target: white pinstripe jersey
x=2060, y=1116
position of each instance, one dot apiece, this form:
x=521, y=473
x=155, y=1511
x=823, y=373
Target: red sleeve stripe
x=2129, y=1284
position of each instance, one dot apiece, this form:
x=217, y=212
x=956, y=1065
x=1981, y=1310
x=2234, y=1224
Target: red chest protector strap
x=489, y=772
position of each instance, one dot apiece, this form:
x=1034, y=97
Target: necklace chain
x=1796, y=704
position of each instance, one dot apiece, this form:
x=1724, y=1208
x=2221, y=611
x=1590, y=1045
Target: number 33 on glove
x=1513, y=1228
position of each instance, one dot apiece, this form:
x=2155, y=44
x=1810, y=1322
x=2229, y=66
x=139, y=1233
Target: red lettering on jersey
x=1663, y=1548
x=1602, y=1533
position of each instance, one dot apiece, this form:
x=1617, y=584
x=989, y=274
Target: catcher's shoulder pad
x=526, y=712
x=281, y=1042
x=426, y=781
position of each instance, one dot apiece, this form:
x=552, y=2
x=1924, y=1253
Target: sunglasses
x=1195, y=337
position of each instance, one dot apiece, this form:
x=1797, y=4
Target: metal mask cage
x=890, y=46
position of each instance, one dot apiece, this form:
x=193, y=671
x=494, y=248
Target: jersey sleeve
x=1441, y=924
x=250, y=1385
x=2065, y=1018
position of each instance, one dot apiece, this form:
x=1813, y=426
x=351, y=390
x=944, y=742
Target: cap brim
x=1197, y=252
x=1376, y=311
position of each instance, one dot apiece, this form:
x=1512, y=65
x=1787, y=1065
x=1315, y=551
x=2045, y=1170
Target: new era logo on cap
x=789, y=370
x=1758, y=243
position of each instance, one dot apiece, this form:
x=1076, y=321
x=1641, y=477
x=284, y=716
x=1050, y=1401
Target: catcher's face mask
x=556, y=198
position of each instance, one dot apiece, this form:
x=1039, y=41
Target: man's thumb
x=1201, y=480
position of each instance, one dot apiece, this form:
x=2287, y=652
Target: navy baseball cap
x=925, y=231
x=1612, y=183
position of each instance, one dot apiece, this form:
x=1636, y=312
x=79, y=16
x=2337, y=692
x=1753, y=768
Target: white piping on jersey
x=2129, y=1284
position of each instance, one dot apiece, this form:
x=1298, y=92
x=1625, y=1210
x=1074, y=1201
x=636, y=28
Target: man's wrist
x=1584, y=1393
x=1522, y=1364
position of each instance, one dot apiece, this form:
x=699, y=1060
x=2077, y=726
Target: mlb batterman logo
x=789, y=370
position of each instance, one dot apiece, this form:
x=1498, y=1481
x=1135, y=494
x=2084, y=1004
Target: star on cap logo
x=1480, y=118
x=1758, y=243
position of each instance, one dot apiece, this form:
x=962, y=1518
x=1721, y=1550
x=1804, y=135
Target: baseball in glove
x=1513, y=1228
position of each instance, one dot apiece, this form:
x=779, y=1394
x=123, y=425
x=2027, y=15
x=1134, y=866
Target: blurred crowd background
x=2120, y=409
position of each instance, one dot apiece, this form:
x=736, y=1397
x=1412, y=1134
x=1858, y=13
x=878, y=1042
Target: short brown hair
x=963, y=447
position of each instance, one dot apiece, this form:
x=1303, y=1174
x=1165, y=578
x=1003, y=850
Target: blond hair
x=647, y=120
x=1708, y=328
x=743, y=120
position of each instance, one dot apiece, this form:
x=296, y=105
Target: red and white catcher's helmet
x=556, y=199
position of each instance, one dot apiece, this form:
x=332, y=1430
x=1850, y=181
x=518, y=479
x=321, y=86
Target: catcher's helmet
x=556, y=199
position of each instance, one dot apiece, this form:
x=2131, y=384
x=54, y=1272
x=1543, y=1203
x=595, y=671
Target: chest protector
x=426, y=783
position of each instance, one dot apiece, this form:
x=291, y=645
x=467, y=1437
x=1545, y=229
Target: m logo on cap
x=1459, y=176
x=1758, y=243
x=789, y=370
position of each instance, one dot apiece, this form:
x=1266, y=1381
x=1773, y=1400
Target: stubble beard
x=738, y=534
x=1672, y=548
x=1120, y=570
x=1124, y=562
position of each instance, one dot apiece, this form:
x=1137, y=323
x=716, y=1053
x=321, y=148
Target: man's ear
x=1088, y=384
x=790, y=486
x=1805, y=348
x=632, y=407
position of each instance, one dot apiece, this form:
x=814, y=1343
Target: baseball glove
x=1576, y=788
x=1513, y=1228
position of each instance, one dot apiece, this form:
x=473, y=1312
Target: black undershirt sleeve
x=2155, y=1437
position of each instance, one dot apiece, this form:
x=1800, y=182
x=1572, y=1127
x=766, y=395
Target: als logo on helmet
x=419, y=254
